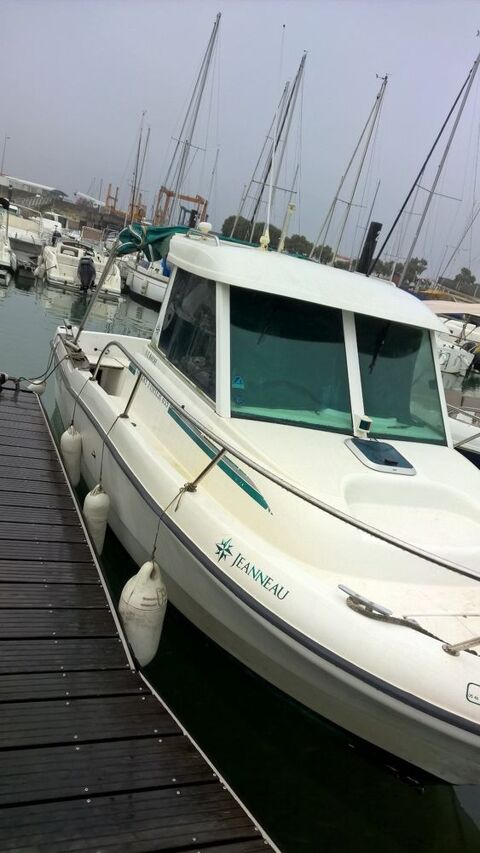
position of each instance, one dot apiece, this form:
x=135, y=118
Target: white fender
x=39, y=272
x=71, y=448
x=37, y=387
x=142, y=607
x=95, y=509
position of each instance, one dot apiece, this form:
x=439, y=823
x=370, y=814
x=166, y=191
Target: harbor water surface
x=311, y=786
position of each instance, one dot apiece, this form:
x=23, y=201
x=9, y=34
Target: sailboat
x=282, y=447
x=149, y=280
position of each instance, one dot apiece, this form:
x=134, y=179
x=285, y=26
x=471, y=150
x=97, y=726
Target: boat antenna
x=466, y=86
x=375, y=115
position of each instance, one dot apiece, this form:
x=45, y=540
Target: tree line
x=298, y=244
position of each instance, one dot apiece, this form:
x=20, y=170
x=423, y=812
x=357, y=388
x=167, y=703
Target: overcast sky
x=78, y=73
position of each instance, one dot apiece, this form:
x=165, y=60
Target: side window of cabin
x=188, y=335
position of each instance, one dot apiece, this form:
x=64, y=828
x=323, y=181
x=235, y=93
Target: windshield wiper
x=380, y=342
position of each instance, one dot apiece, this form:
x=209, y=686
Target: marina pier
x=90, y=758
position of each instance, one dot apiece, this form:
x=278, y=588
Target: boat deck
x=90, y=759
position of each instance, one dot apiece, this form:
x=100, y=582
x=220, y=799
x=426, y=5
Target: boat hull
x=151, y=288
x=321, y=680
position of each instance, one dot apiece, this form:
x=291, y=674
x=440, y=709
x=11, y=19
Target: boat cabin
x=267, y=337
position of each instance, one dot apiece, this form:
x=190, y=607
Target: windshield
x=288, y=362
x=399, y=384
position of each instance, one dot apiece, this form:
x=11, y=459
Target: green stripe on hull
x=228, y=467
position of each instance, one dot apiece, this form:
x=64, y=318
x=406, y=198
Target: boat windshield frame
x=222, y=401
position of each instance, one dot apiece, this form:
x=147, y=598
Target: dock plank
x=137, y=822
x=75, y=721
x=35, y=487
x=60, y=685
x=39, y=515
x=41, y=624
x=21, y=498
x=18, y=472
x=54, y=596
x=101, y=768
x=26, y=656
x=21, y=549
x=14, y=450
x=37, y=532
x=43, y=571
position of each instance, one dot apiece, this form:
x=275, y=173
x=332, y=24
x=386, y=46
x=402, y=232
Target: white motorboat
x=149, y=281
x=460, y=337
x=59, y=267
x=8, y=260
x=29, y=232
x=282, y=445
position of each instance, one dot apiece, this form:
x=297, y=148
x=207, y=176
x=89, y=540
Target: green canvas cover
x=152, y=240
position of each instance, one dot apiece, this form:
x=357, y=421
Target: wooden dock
x=90, y=759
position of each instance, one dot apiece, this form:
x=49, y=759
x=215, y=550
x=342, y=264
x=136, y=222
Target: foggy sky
x=76, y=75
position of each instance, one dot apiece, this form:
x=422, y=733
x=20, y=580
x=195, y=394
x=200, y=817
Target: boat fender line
x=142, y=607
x=359, y=605
x=95, y=509
x=71, y=449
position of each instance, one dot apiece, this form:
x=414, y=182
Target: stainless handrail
x=283, y=484
x=201, y=235
x=471, y=412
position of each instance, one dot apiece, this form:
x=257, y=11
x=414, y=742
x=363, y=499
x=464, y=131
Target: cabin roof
x=298, y=278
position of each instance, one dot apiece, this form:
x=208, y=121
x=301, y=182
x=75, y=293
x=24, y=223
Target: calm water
x=311, y=786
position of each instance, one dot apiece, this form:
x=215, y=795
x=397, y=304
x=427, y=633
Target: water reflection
x=312, y=786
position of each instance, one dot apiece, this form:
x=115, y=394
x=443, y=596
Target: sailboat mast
x=194, y=108
x=296, y=88
x=145, y=148
x=135, y=173
x=279, y=125
x=353, y=260
x=473, y=72
x=212, y=179
x=328, y=219
x=246, y=190
x=376, y=112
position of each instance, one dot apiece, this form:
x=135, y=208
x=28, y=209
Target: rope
x=161, y=517
x=395, y=620
x=104, y=440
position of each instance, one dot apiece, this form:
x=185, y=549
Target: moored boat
x=8, y=260
x=282, y=445
x=148, y=281
x=61, y=265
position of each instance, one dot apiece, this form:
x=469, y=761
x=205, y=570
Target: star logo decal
x=224, y=549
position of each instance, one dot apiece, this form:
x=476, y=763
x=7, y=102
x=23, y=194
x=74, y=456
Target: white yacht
x=282, y=445
x=147, y=280
x=59, y=267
